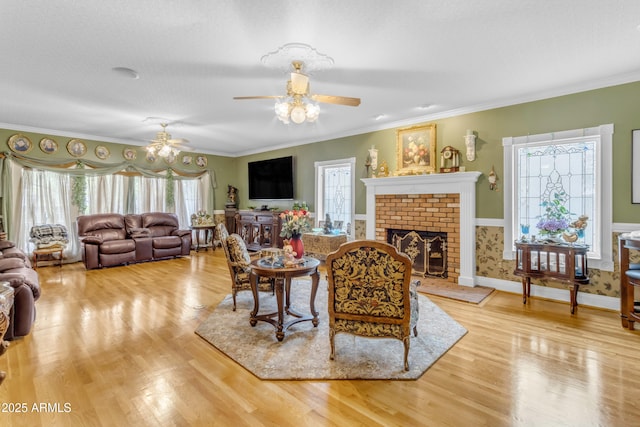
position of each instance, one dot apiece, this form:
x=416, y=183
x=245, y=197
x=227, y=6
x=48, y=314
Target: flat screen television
x=271, y=179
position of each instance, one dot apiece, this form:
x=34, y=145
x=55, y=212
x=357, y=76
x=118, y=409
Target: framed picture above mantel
x=416, y=150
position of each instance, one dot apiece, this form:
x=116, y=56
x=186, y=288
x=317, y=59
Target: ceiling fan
x=296, y=103
x=163, y=145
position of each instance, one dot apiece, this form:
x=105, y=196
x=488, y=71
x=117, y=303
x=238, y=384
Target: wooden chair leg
x=332, y=334
x=406, y=341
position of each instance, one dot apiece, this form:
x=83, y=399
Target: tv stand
x=259, y=229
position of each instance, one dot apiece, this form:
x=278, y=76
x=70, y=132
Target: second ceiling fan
x=293, y=105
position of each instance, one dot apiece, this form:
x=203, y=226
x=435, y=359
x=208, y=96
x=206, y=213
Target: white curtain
x=107, y=193
x=44, y=197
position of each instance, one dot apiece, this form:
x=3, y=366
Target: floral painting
x=416, y=149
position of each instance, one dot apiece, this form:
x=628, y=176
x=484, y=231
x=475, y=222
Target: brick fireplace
x=440, y=203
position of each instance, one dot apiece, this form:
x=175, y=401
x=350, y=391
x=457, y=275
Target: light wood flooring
x=116, y=347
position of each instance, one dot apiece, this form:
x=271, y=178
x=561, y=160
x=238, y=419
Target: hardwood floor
x=116, y=347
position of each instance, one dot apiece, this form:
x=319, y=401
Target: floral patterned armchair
x=371, y=293
x=239, y=262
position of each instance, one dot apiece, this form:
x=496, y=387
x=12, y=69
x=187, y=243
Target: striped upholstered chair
x=371, y=293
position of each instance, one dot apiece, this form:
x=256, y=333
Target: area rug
x=304, y=352
x=454, y=291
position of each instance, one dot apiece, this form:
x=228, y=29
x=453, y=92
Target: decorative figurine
x=493, y=180
x=289, y=258
x=327, y=224
x=232, y=196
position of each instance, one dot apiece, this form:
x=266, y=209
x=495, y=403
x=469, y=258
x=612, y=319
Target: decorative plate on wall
x=102, y=152
x=186, y=160
x=76, y=148
x=201, y=161
x=151, y=157
x=129, y=154
x=20, y=144
x=48, y=145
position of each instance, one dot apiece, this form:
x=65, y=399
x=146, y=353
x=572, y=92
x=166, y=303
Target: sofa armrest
x=8, y=264
x=93, y=240
x=181, y=233
x=19, y=278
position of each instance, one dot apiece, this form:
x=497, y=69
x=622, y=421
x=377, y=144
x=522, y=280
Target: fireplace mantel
x=462, y=183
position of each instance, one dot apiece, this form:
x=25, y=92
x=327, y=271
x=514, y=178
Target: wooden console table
x=560, y=262
x=627, y=305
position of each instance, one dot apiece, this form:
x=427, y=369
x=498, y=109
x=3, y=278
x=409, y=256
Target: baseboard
x=556, y=294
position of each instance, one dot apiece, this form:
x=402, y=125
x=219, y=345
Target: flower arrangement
x=294, y=222
x=556, y=217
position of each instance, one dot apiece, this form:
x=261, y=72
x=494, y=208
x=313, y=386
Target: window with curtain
x=568, y=172
x=44, y=197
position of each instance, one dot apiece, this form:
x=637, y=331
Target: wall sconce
x=372, y=160
x=470, y=143
x=493, y=180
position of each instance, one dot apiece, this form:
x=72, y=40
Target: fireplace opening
x=426, y=249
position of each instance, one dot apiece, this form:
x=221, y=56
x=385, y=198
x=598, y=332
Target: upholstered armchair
x=371, y=293
x=239, y=262
x=221, y=233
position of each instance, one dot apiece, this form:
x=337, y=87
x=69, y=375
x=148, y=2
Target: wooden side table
x=209, y=232
x=6, y=302
x=47, y=252
x=560, y=262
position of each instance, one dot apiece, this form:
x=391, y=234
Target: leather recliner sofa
x=15, y=268
x=116, y=239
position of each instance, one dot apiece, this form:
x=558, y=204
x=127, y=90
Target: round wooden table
x=282, y=276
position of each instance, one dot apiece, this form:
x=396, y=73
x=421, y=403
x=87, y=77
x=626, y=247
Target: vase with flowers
x=294, y=223
x=555, y=219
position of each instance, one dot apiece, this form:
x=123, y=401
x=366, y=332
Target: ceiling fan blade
x=341, y=100
x=299, y=83
x=258, y=97
x=178, y=141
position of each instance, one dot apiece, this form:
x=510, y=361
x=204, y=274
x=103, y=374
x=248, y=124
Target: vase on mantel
x=298, y=246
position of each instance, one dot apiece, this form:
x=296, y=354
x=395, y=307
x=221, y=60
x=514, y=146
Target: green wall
x=617, y=104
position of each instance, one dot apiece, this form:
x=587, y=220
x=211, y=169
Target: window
x=335, y=190
x=571, y=167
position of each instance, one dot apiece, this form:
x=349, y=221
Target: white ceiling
x=194, y=56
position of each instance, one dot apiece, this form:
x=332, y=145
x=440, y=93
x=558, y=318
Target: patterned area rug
x=304, y=352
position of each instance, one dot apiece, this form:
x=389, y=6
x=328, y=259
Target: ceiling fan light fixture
x=164, y=146
x=313, y=112
x=298, y=114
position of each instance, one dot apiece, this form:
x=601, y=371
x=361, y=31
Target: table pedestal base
x=283, y=297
